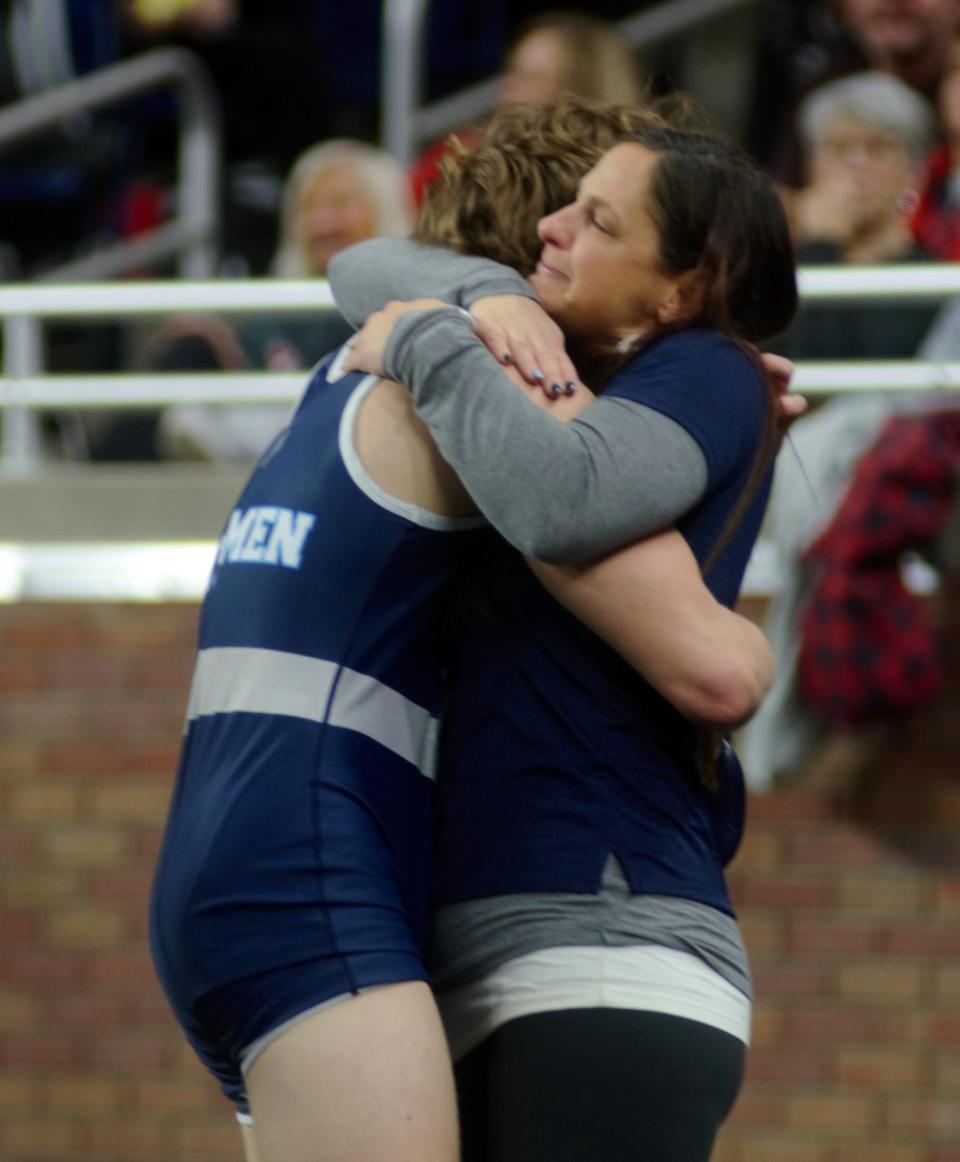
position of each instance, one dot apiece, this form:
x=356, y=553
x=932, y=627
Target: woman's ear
x=684, y=300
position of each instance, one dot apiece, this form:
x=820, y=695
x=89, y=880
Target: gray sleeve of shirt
x=560, y=492
x=366, y=276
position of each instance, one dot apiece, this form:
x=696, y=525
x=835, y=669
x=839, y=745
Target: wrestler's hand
x=518, y=331
x=370, y=342
x=780, y=369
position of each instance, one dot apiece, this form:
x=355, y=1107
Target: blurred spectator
x=936, y=223
x=557, y=52
x=570, y=52
x=865, y=136
x=869, y=477
x=59, y=190
x=806, y=43
x=268, y=68
x=851, y=643
x=338, y=193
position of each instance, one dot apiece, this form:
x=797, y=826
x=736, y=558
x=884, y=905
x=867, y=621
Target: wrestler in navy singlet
x=295, y=862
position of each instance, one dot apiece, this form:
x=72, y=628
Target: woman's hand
x=370, y=342
x=518, y=332
x=780, y=370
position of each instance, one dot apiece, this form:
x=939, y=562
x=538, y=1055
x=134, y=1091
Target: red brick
x=784, y=1147
x=172, y=673
x=129, y=966
x=759, y=1106
x=20, y=673
x=789, y=980
x=20, y=757
x=171, y=1096
x=43, y=969
x=875, y=1067
x=132, y=884
x=790, y=806
x=87, y=672
x=46, y=628
x=124, y=1141
x=26, y=1139
x=926, y=940
x=947, y=897
x=832, y=1025
x=785, y=891
x=104, y=759
x=843, y=1112
x=762, y=849
x=86, y=1010
x=44, y=1050
x=92, y=1095
x=211, y=1142
x=130, y=1050
x=831, y=845
x=944, y=1029
x=828, y=937
x=17, y=925
x=788, y=1063
x=880, y=1150
x=881, y=981
x=16, y=844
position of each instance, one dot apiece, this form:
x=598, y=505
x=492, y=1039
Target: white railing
x=23, y=309
x=166, y=571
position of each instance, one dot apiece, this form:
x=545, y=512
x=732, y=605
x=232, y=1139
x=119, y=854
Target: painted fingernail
x=569, y=387
x=536, y=373
x=556, y=390
x=506, y=357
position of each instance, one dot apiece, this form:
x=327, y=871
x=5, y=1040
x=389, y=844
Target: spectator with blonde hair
x=337, y=193
x=557, y=53
x=570, y=52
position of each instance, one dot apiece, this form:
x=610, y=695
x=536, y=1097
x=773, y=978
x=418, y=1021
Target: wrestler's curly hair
x=528, y=163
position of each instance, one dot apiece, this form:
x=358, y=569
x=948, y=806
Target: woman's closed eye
x=593, y=220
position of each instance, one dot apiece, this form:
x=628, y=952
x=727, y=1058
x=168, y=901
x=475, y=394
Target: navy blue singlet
x=295, y=864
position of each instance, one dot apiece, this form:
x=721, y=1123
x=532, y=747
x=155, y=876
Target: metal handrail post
x=199, y=160
x=200, y=169
x=666, y=20
x=401, y=74
x=20, y=443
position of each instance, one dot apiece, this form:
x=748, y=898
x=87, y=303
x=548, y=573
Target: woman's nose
x=554, y=228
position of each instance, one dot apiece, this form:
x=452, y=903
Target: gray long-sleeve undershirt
x=559, y=492
x=366, y=276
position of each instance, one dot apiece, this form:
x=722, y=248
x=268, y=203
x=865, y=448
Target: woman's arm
x=559, y=492
x=650, y=604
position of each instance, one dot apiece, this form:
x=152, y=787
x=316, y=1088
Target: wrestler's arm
x=366, y=276
x=559, y=492
x=649, y=603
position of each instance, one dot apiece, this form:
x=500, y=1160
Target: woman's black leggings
x=598, y=1085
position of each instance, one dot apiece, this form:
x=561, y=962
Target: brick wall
x=848, y=891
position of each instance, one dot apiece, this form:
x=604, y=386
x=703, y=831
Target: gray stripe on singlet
x=230, y=679
x=473, y=937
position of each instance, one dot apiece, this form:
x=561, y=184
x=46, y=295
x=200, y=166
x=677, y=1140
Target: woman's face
x=871, y=164
x=334, y=211
x=599, y=272
x=536, y=71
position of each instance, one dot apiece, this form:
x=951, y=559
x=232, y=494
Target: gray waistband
x=474, y=937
